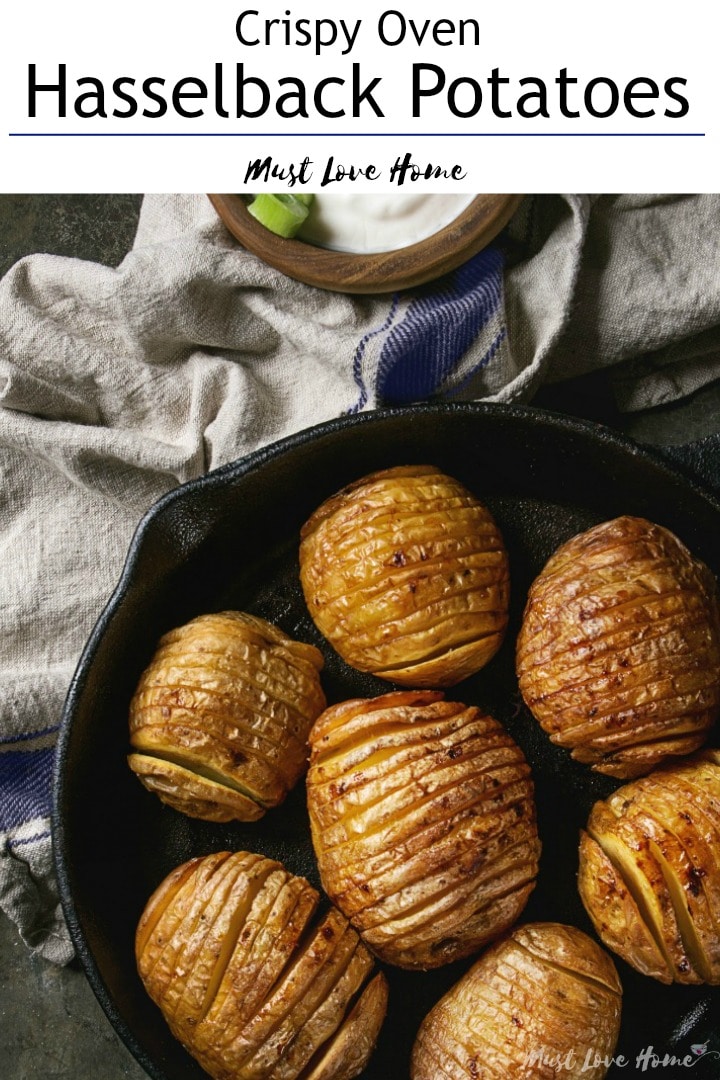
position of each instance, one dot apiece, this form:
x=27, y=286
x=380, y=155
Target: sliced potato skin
x=649, y=871
x=406, y=575
x=252, y=979
x=618, y=655
x=220, y=717
x=544, y=1001
x=423, y=822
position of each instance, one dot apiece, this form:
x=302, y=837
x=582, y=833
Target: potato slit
x=316, y=1068
x=440, y=730
x=159, y=905
x=231, y=938
x=223, y=706
x=329, y=1011
x=698, y=804
x=149, y=739
x=239, y=683
x=687, y=725
x=691, y=943
x=458, y=509
x=413, y=867
x=426, y=918
x=201, y=871
x=239, y=638
x=212, y=912
x=266, y=964
x=334, y=960
x=474, y=797
x=414, y=729
x=620, y=863
x=229, y=747
x=488, y=566
x=434, y=908
x=652, y=630
x=595, y=983
x=424, y=759
x=454, y=601
x=208, y=773
x=662, y=669
x=468, y=639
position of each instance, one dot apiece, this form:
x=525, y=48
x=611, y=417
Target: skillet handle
x=701, y=459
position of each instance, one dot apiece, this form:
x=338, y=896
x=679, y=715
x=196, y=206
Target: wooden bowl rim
x=387, y=271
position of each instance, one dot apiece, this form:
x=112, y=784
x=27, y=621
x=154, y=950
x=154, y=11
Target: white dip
x=371, y=223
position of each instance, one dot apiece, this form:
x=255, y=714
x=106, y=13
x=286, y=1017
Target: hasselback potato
x=220, y=718
x=252, y=979
x=543, y=1002
x=423, y=823
x=618, y=656
x=650, y=871
x=406, y=575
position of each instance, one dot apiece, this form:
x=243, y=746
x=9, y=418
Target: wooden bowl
x=380, y=272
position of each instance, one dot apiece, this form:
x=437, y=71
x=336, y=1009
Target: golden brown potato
x=618, y=656
x=254, y=982
x=405, y=573
x=423, y=823
x=650, y=871
x=542, y=1003
x=220, y=718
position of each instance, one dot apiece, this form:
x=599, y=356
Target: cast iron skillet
x=230, y=540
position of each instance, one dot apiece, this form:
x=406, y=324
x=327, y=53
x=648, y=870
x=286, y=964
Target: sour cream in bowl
x=373, y=243
x=369, y=223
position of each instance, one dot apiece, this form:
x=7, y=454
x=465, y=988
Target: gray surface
x=50, y=1024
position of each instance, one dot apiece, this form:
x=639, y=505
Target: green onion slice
x=281, y=214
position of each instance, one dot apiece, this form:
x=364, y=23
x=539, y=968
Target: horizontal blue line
x=357, y=135
x=12, y=843
x=28, y=735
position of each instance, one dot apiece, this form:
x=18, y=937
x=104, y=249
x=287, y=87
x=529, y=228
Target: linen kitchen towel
x=118, y=384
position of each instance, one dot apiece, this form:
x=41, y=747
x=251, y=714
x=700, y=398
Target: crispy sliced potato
x=618, y=656
x=251, y=979
x=649, y=872
x=406, y=575
x=544, y=1001
x=220, y=717
x=423, y=822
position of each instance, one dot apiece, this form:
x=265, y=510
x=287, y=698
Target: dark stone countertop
x=51, y=1026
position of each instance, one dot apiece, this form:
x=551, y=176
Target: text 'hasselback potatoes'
x=406, y=575
x=650, y=871
x=423, y=823
x=220, y=718
x=542, y=1003
x=253, y=982
x=618, y=655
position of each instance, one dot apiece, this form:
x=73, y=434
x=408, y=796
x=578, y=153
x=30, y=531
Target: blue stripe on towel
x=25, y=781
x=27, y=736
x=440, y=325
x=359, y=356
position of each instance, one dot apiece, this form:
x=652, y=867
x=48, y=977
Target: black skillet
x=230, y=540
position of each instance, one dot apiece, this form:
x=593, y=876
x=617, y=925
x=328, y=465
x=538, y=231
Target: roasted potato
x=650, y=871
x=543, y=1002
x=423, y=822
x=406, y=575
x=618, y=655
x=254, y=982
x=220, y=718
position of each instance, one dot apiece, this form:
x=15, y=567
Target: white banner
x=249, y=96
